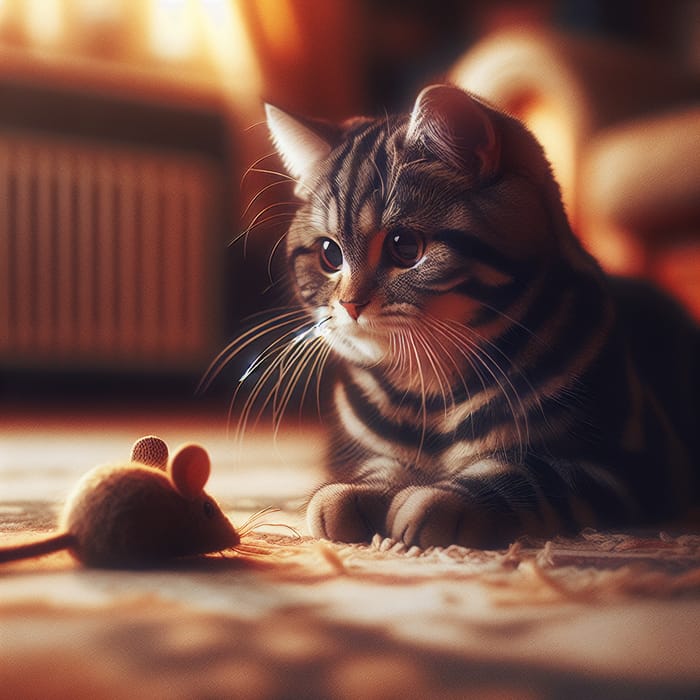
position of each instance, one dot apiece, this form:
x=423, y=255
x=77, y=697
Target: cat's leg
x=492, y=504
x=347, y=512
x=429, y=516
x=354, y=507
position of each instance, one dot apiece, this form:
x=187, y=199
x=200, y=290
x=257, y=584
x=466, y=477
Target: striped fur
x=499, y=384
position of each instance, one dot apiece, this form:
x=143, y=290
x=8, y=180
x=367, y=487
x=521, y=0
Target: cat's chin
x=363, y=351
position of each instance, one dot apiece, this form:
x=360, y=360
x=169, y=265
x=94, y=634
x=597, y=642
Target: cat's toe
x=347, y=512
x=434, y=517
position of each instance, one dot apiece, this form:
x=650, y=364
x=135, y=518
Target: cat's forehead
x=371, y=182
x=363, y=218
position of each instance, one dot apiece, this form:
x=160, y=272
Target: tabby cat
x=492, y=381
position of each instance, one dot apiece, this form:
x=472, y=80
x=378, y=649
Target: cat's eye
x=405, y=248
x=331, y=256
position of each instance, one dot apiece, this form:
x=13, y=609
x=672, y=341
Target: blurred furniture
x=115, y=212
x=622, y=131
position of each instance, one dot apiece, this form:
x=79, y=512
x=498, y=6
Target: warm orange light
x=172, y=25
x=280, y=25
x=207, y=37
x=229, y=45
x=97, y=11
x=556, y=137
x=44, y=20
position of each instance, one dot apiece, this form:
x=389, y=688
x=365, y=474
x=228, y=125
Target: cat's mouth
x=362, y=341
x=371, y=339
x=360, y=344
x=400, y=341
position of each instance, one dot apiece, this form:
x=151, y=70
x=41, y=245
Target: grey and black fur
x=493, y=381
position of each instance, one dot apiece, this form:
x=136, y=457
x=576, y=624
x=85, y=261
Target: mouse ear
x=189, y=470
x=151, y=451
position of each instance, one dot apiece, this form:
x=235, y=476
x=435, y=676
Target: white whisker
x=246, y=339
x=261, y=192
x=283, y=363
x=258, y=519
x=498, y=375
x=413, y=352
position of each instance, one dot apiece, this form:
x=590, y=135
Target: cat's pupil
x=405, y=248
x=331, y=255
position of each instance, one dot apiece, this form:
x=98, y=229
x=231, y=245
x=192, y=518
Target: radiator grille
x=106, y=256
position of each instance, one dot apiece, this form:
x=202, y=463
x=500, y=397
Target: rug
x=609, y=615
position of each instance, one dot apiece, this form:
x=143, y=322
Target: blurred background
x=133, y=157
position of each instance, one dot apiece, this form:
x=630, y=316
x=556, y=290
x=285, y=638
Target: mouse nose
x=353, y=308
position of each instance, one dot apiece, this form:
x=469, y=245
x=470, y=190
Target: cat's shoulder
x=644, y=308
x=664, y=342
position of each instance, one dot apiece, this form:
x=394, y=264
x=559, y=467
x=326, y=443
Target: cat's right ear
x=456, y=128
x=301, y=143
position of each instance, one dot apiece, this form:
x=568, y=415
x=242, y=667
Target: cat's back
x=664, y=343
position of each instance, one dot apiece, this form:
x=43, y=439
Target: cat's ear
x=456, y=129
x=302, y=144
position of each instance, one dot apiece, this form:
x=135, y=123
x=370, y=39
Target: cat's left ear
x=457, y=129
x=302, y=144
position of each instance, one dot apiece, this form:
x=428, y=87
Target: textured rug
x=614, y=615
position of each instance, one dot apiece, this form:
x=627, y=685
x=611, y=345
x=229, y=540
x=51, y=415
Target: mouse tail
x=48, y=545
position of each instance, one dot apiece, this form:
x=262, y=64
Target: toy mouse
x=139, y=514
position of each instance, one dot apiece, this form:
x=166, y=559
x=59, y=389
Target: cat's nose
x=353, y=308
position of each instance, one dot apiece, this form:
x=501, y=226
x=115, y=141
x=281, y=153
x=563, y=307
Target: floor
x=609, y=616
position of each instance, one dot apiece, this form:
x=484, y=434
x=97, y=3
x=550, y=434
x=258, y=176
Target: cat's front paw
x=433, y=517
x=347, y=512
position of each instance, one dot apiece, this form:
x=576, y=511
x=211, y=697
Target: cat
x=492, y=381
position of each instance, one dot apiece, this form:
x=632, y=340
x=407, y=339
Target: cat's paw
x=347, y=512
x=433, y=517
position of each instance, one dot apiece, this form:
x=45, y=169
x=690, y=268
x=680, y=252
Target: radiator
x=107, y=255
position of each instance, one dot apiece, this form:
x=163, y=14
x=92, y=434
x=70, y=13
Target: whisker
x=266, y=171
x=424, y=412
x=306, y=358
x=268, y=373
x=275, y=247
x=301, y=346
x=437, y=370
x=261, y=192
x=321, y=366
x=381, y=179
x=482, y=340
x=462, y=346
x=281, y=203
x=288, y=178
x=255, y=125
x=252, y=168
x=254, y=518
x=316, y=364
x=261, y=222
x=523, y=376
x=258, y=519
x=510, y=318
x=459, y=349
x=283, y=363
x=265, y=210
x=291, y=365
x=499, y=376
x=246, y=339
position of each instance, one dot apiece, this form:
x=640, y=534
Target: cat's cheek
x=347, y=512
x=434, y=517
x=452, y=307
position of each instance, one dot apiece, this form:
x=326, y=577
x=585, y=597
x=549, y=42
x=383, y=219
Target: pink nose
x=353, y=308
